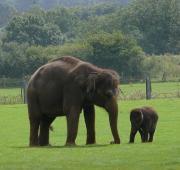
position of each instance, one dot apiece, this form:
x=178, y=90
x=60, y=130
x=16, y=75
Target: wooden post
x=148, y=88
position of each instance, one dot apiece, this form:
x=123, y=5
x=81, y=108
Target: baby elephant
x=143, y=120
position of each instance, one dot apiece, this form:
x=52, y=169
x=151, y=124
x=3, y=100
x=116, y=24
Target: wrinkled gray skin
x=65, y=87
x=143, y=120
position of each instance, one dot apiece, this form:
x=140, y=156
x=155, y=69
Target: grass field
x=162, y=154
x=10, y=91
x=130, y=91
x=161, y=87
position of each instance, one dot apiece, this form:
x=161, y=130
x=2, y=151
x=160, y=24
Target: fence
x=148, y=89
x=13, y=91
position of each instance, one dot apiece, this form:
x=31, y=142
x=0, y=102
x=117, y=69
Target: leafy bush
x=162, y=67
x=118, y=52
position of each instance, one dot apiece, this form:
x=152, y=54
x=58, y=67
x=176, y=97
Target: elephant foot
x=33, y=145
x=90, y=142
x=70, y=144
x=44, y=144
x=48, y=145
x=144, y=141
x=115, y=142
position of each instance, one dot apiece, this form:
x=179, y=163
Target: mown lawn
x=163, y=153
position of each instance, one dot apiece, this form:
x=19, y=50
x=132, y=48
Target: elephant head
x=136, y=118
x=102, y=87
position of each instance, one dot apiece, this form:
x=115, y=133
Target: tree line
x=120, y=37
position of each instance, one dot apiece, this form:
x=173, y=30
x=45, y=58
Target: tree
x=116, y=51
x=22, y=5
x=12, y=60
x=154, y=23
x=63, y=18
x=34, y=30
x=6, y=13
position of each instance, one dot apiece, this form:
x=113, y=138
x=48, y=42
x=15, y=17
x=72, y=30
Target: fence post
x=24, y=91
x=148, y=88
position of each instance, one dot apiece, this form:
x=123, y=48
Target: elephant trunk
x=112, y=109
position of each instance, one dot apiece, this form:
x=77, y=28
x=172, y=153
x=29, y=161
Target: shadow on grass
x=63, y=147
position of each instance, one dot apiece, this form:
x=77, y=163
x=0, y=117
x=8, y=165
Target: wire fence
x=13, y=91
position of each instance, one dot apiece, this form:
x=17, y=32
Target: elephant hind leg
x=34, y=128
x=151, y=134
x=142, y=135
x=146, y=136
x=44, y=130
x=34, y=118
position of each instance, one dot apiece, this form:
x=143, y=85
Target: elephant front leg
x=146, y=136
x=114, y=130
x=72, y=126
x=89, y=116
x=112, y=109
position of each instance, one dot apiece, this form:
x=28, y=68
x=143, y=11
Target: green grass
x=11, y=96
x=159, y=90
x=163, y=153
x=128, y=89
x=161, y=87
x=10, y=91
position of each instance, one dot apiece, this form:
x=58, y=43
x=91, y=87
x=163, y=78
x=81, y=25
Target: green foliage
x=154, y=23
x=34, y=30
x=93, y=33
x=163, y=67
x=116, y=51
x=6, y=13
x=101, y=49
x=12, y=60
x=63, y=18
x=17, y=61
x=23, y=5
x=75, y=49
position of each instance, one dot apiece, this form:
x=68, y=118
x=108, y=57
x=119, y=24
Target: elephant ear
x=87, y=82
x=81, y=81
x=140, y=115
x=137, y=116
x=91, y=82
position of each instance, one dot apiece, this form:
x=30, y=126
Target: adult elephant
x=64, y=87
